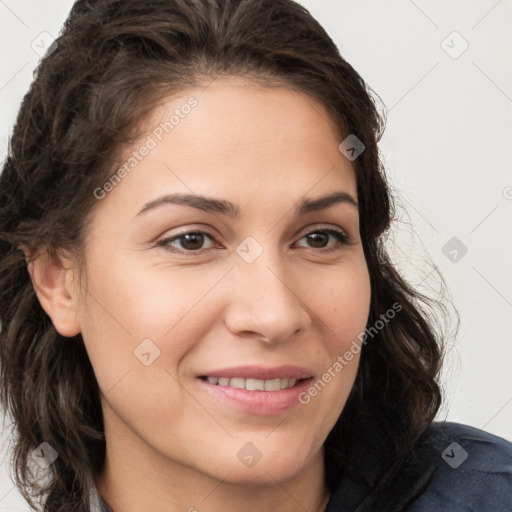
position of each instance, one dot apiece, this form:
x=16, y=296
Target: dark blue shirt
x=455, y=468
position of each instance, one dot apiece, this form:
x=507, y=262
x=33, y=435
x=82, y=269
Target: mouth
x=256, y=390
x=251, y=384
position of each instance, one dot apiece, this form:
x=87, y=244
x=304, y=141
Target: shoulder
x=452, y=467
x=473, y=473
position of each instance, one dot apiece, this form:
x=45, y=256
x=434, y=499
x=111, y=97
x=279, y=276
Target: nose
x=266, y=301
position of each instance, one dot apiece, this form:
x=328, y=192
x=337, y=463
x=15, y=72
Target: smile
x=253, y=384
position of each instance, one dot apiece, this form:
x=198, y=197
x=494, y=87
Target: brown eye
x=186, y=242
x=319, y=239
x=192, y=241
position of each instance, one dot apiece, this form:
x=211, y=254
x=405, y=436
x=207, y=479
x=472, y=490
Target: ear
x=54, y=283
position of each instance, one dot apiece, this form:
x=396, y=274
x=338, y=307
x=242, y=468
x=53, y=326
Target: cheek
x=134, y=329
x=144, y=302
x=130, y=304
x=343, y=306
x=347, y=306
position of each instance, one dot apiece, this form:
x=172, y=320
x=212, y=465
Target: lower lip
x=265, y=403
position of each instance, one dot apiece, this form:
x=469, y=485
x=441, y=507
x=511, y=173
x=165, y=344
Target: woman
x=198, y=311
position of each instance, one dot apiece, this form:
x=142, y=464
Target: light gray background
x=447, y=149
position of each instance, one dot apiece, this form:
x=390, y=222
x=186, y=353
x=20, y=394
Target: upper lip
x=260, y=372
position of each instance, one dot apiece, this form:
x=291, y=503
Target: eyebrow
x=212, y=205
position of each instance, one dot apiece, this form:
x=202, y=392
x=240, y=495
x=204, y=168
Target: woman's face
x=264, y=292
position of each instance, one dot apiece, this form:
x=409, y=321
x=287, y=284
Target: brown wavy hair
x=114, y=61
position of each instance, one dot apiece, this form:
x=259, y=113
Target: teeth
x=237, y=383
x=272, y=385
x=253, y=384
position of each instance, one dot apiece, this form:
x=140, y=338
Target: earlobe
x=54, y=285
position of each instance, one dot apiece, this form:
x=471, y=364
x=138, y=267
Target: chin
x=265, y=465
x=262, y=474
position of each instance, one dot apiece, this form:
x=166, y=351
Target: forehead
x=235, y=136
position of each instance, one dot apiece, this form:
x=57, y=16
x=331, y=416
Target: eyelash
x=342, y=240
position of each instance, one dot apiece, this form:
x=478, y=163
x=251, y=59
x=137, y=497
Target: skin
x=170, y=445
